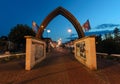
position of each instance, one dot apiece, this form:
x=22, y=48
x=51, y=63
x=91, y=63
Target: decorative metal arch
x=64, y=13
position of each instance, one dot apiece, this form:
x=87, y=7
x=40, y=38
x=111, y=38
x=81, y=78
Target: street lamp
x=70, y=31
x=48, y=31
x=48, y=45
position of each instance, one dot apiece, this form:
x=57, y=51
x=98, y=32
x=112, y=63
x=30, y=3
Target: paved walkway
x=60, y=67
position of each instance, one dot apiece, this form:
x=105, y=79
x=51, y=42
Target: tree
x=3, y=43
x=98, y=43
x=116, y=32
x=18, y=32
x=98, y=38
x=116, y=35
x=109, y=46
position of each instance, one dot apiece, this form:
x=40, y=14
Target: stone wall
x=85, y=51
x=35, y=52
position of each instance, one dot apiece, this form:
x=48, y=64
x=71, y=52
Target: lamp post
x=70, y=31
x=70, y=46
x=48, y=46
x=48, y=31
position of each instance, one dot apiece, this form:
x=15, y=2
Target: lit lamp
x=48, y=46
x=48, y=31
x=70, y=31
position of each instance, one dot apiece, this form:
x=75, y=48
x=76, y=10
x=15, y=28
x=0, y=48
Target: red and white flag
x=86, y=26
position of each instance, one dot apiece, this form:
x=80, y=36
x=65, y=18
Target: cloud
x=102, y=29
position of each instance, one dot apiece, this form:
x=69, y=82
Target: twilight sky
x=13, y=12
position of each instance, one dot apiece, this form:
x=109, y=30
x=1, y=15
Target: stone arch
x=66, y=14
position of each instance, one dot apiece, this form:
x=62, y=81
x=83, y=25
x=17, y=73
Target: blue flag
x=35, y=27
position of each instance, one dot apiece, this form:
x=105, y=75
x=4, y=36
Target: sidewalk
x=60, y=67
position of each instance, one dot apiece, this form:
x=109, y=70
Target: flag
x=35, y=27
x=86, y=26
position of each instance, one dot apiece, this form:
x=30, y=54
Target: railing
x=105, y=54
x=116, y=55
x=101, y=53
x=10, y=55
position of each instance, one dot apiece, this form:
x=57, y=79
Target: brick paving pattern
x=60, y=67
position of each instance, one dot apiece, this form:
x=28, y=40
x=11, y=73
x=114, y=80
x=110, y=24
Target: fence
x=111, y=56
x=105, y=54
x=10, y=55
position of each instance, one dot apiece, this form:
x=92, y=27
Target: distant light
x=42, y=26
x=48, y=31
x=60, y=39
x=33, y=23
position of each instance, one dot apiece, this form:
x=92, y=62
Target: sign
x=80, y=49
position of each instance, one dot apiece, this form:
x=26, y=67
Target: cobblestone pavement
x=60, y=67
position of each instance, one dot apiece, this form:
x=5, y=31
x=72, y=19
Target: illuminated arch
x=66, y=14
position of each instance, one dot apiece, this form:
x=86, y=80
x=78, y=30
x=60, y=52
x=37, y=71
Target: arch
x=64, y=13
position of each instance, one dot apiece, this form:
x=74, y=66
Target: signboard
x=85, y=51
x=80, y=49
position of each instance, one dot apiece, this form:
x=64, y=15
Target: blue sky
x=13, y=12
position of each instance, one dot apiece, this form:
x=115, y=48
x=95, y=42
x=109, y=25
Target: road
x=60, y=67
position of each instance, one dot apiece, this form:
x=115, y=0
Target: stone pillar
x=28, y=59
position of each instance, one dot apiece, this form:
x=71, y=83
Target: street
x=60, y=67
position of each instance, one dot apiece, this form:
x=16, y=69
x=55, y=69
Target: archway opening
x=59, y=28
x=66, y=14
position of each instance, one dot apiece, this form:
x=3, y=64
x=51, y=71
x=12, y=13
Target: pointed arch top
x=66, y=14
